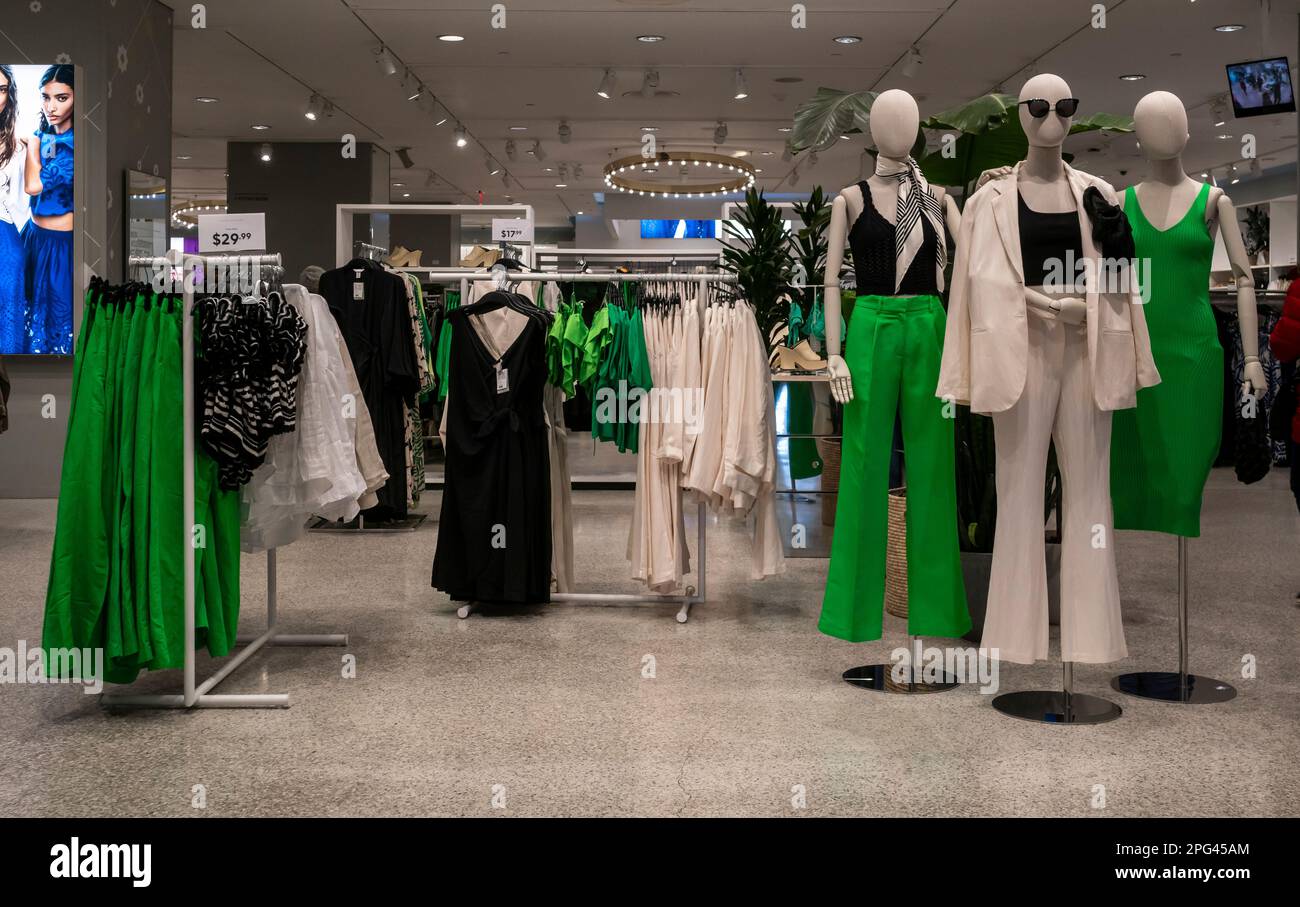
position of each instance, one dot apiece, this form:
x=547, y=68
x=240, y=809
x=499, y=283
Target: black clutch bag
x=1110, y=227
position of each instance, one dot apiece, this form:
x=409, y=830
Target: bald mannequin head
x=1049, y=131
x=1161, y=124
x=895, y=120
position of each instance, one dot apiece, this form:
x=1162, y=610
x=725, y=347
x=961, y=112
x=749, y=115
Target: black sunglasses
x=1038, y=107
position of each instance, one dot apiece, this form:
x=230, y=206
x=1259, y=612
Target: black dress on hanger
x=494, y=534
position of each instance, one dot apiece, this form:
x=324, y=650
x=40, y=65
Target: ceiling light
x=758, y=169
x=451, y=39
x=315, y=107
x=720, y=133
x=537, y=151
x=398, y=185
x=740, y=154
x=265, y=153
x=511, y=149
x=493, y=168
x=404, y=155
x=518, y=128
x=406, y=195
x=848, y=39
x=649, y=82
x=565, y=132
x=387, y=65
x=184, y=157
x=1228, y=28
x=913, y=64
x=650, y=39
x=260, y=127
x=742, y=86
x=461, y=140
x=411, y=85
x=783, y=129
x=649, y=128
x=606, y=88
x=580, y=214
x=1132, y=77
x=561, y=185
x=1226, y=135
x=203, y=99
x=767, y=153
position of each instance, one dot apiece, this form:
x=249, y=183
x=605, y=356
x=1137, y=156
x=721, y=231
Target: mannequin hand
x=1256, y=384
x=841, y=380
x=1072, y=310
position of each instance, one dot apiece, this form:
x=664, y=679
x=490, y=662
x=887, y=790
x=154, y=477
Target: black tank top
x=1047, y=238
x=872, y=243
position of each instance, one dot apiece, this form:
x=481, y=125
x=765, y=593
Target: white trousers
x=1057, y=403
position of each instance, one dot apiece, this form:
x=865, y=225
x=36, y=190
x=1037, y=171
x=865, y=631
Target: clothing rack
x=368, y=250
x=692, y=594
x=197, y=695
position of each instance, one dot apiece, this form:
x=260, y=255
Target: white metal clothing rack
x=692, y=595
x=196, y=695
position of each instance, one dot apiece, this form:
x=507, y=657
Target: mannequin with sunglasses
x=895, y=224
x=1049, y=339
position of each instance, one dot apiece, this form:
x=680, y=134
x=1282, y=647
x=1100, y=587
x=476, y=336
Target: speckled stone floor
x=547, y=711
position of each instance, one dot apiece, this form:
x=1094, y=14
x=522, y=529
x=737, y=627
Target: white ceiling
x=256, y=56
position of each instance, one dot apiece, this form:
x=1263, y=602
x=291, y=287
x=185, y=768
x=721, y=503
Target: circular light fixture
x=1229, y=28
x=784, y=129
x=184, y=157
x=207, y=100
x=740, y=178
x=650, y=39
x=188, y=215
x=767, y=153
x=260, y=127
x=451, y=39
x=461, y=140
x=848, y=39
x=649, y=128
x=518, y=128
x=264, y=153
x=1133, y=77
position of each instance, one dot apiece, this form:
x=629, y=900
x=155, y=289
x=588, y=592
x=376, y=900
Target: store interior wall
x=124, y=121
x=435, y=236
x=298, y=190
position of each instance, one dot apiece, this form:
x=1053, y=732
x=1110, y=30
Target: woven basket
x=896, y=554
x=830, y=449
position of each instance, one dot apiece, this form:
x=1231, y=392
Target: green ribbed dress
x=1162, y=451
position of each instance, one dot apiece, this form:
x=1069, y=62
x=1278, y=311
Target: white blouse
x=15, y=204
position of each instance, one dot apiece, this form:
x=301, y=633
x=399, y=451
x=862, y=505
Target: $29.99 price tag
x=232, y=233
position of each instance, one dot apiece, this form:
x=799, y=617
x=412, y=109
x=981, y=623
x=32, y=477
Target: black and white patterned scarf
x=915, y=200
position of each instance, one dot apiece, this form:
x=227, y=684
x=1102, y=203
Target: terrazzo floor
x=549, y=710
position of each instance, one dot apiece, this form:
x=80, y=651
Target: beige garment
x=1060, y=404
x=657, y=544
x=368, y=459
x=986, y=342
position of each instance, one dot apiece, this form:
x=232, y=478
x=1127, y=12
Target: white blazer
x=986, y=345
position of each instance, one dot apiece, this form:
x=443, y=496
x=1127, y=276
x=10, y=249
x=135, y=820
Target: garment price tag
x=232, y=233
x=503, y=379
x=512, y=229
x=358, y=291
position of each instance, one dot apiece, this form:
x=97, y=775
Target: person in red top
x=1285, y=343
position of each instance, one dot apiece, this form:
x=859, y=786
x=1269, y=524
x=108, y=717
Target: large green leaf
x=1109, y=121
x=829, y=114
x=972, y=154
x=984, y=114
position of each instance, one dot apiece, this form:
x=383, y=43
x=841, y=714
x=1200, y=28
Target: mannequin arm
x=954, y=369
x=1070, y=309
x=951, y=215
x=841, y=379
x=1255, y=384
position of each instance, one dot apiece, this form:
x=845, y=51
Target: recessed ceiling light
x=767, y=153
x=406, y=195
x=1133, y=77
x=1228, y=28
x=650, y=39
x=740, y=154
x=184, y=157
x=758, y=169
x=561, y=185
x=1226, y=135
x=207, y=100
x=848, y=39
x=451, y=39
x=783, y=129
x=398, y=185
x=548, y=169
x=579, y=212
x=649, y=128
x=518, y=128
x=260, y=127
x=845, y=138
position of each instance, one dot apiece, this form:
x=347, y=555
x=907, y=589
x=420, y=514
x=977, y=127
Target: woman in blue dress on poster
x=47, y=241
x=13, y=215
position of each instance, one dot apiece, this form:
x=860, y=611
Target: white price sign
x=512, y=230
x=232, y=233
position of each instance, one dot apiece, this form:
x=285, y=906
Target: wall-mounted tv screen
x=37, y=155
x=1261, y=87
x=679, y=229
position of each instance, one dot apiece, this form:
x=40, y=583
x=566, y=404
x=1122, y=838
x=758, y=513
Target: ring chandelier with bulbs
x=187, y=216
x=734, y=175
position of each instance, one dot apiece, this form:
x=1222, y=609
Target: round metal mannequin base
x=1167, y=686
x=1049, y=707
x=882, y=679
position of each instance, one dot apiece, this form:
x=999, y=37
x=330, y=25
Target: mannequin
x=894, y=350
x=1168, y=192
x=1049, y=360
x=895, y=119
x=1163, y=450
